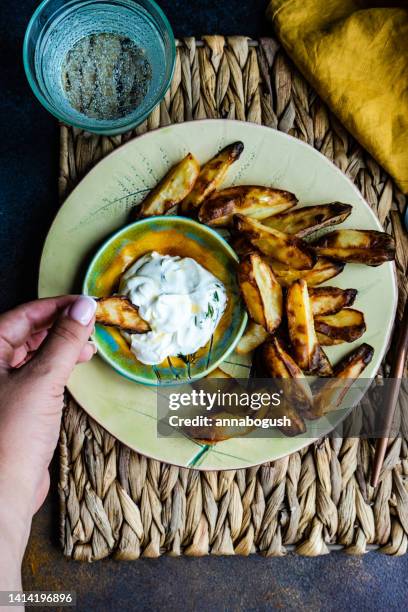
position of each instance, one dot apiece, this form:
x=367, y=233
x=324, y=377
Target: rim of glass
x=60, y=116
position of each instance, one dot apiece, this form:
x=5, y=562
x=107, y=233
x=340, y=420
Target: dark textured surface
x=332, y=583
x=28, y=172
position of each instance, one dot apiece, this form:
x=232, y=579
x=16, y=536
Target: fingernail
x=82, y=310
x=92, y=343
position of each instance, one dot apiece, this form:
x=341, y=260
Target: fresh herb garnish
x=216, y=298
x=210, y=311
x=183, y=358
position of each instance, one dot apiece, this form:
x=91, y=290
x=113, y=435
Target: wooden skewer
x=396, y=373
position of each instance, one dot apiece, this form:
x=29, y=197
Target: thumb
x=61, y=350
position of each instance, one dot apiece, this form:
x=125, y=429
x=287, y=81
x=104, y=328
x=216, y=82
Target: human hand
x=40, y=343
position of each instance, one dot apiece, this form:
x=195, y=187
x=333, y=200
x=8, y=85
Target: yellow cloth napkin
x=355, y=55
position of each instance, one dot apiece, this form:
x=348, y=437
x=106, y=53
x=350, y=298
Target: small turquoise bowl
x=60, y=29
x=168, y=235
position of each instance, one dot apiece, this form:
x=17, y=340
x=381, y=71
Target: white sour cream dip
x=182, y=302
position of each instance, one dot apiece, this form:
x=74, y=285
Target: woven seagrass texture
x=117, y=502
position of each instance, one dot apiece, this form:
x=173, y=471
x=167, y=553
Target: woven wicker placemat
x=117, y=502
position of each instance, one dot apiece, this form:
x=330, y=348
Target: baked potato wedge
x=329, y=300
x=329, y=397
x=323, y=270
x=327, y=341
x=286, y=409
x=173, y=187
x=356, y=246
x=253, y=337
x=296, y=397
x=348, y=325
x=212, y=433
x=261, y=292
x=309, y=355
x=249, y=200
x=242, y=246
x=324, y=368
x=211, y=176
x=287, y=249
x=308, y=219
x=279, y=364
x=118, y=311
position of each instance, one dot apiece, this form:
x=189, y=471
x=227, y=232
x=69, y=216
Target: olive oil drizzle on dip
x=182, y=302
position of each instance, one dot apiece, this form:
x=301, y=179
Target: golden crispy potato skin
x=346, y=372
x=173, y=187
x=249, y=200
x=329, y=300
x=327, y=341
x=296, y=399
x=324, y=367
x=323, y=270
x=118, y=311
x=308, y=219
x=301, y=328
x=356, y=246
x=211, y=176
x=308, y=353
x=253, y=337
x=289, y=250
x=347, y=324
x=352, y=365
x=261, y=292
x=277, y=361
x=242, y=246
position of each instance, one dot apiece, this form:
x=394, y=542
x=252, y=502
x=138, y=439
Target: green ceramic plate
x=169, y=235
x=100, y=205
